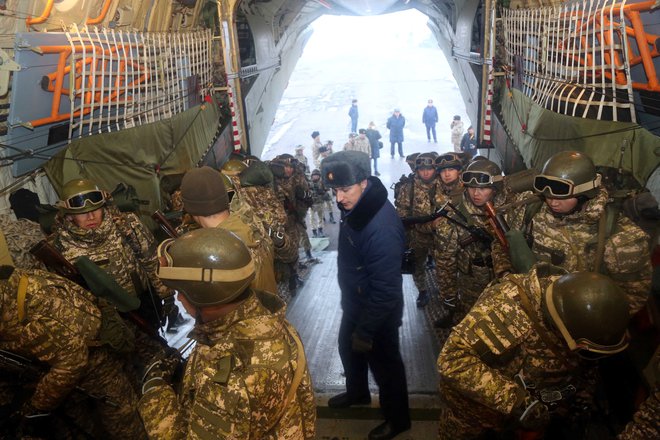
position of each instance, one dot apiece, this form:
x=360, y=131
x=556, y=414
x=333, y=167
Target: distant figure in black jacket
x=370, y=251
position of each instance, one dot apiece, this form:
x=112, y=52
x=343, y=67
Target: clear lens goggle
x=79, y=201
x=479, y=178
x=555, y=186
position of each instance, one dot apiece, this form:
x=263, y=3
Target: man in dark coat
x=430, y=118
x=395, y=124
x=370, y=251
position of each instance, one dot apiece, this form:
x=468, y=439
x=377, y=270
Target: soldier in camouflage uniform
x=565, y=229
x=469, y=263
x=416, y=199
x=302, y=159
x=519, y=358
x=205, y=197
x=56, y=322
x=283, y=168
x=319, y=197
x=121, y=245
x=247, y=376
x=20, y=235
x=303, y=203
x=255, y=187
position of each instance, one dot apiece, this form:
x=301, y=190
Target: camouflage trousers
x=304, y=238
x=316, y=216
x=462, y=419
x=470, y=285
x=423, y=246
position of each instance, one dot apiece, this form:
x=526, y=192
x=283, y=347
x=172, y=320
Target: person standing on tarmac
x=374, y=135
x=247, y=376
x=370, y=252
x=395, y=124
x=429, y=119
x=353, y=114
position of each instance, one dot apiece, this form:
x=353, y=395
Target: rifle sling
x=20, y=298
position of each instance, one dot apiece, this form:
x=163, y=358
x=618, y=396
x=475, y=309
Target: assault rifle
x=498, y=224
x=22, y=367
x=125, y=303
x=164, y=224
x=477, y=234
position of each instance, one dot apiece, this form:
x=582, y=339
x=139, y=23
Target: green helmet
x=80, y=196
x=566, y=175
x=448, y=160
x=411, y=159
x=233, y=167
x=482, y=174
x=590, y=311
x=208, y=266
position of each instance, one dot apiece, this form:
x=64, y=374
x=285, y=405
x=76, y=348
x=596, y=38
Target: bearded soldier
x=49, y=319
x=576, y=229
x=519, y=359
x=472, y=258
x=415, y=199
x=247, y=375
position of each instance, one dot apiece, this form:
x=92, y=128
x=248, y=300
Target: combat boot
x=310, y=257
x=446, y=316
x=315, y=234
x=321, y=233
x=332, y=218
x=423, y=299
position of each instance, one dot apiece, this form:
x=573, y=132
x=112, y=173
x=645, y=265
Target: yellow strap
x=5, y=255
x=20, y=298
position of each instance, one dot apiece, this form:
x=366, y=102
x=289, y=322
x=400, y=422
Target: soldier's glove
x=34, y=423
x=360, y=345
x=277, y=236
x=531, y=414
x=159, y=372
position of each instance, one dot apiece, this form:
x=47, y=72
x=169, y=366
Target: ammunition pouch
x=522, y=257
x=114, y=332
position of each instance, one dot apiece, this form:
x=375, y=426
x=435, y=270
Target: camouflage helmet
x=316, y=172
x=233, y=167
x=425, y=161
x=80, y=196
x=566, y=175
x=410, y=160
x=229, y=185
x=590, y=312
x=209, y=266
x=482, y=174
x=448, y=160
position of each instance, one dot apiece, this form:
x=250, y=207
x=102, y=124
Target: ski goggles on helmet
x=79, y=201
x=558, y=187
x=424, y=162
x=448, y=161
x=479, y=178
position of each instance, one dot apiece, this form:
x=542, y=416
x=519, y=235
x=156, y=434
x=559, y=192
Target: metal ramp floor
x=316, y=313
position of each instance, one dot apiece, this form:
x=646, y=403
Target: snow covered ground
x=382, y=61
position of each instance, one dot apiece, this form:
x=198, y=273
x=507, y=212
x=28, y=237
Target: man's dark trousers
x=386, y=365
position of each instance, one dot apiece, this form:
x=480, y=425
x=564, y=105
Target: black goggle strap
x=79, y=201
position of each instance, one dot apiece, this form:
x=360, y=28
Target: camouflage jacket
x=241, y=221
x=121, y=245
x=285, y=189
x=60, y=321
x=415, y=199
x=457, y=256
x=570, y=242
x=263, y=200
x=236, y=380
x=20, y=236
x=358, y=144
x=497, y=340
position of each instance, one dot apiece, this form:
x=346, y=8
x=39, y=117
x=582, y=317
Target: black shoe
x=446, y=319
x=332, y=218
x=344, y=400
x=387, y=431
x=315, y=233
x=423, y=299
x=174, y=324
